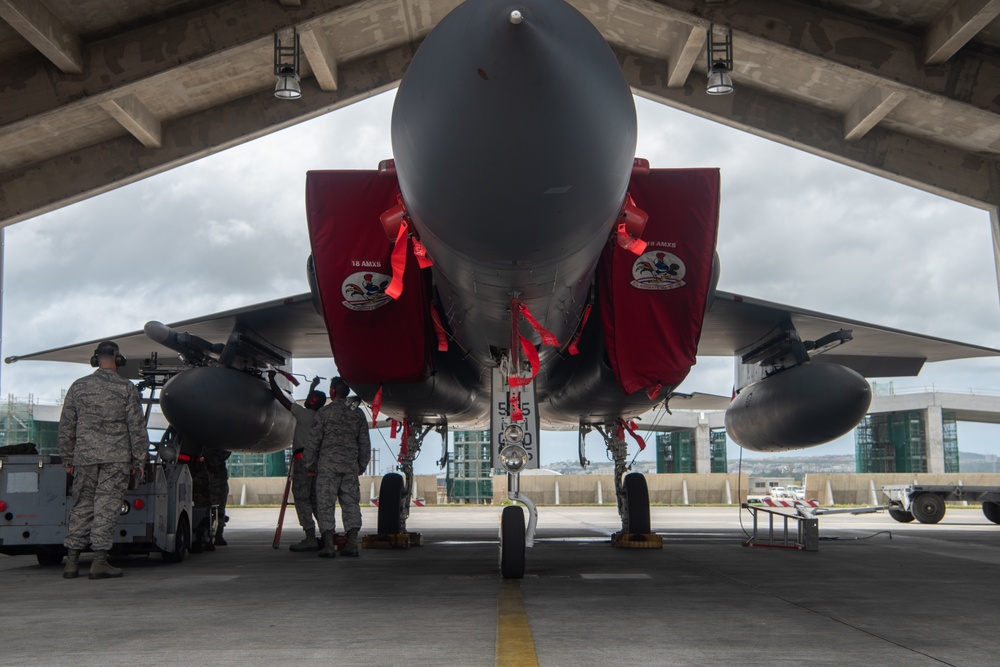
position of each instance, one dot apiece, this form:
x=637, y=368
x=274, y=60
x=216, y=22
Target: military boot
x=310, y=543
x=101, y=569
x=72, y=569
x=351, y=548
x=329, y=549
x=219, y=540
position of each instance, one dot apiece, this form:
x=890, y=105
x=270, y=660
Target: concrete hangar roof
x=99, y=93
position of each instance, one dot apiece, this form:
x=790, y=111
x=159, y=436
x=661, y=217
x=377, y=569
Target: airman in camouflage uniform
x=218, y=487
x=303, y=486
x=102, y=438
x=337, y=452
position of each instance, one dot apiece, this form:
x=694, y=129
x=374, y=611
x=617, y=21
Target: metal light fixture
x=286, y=68
x=720, y=63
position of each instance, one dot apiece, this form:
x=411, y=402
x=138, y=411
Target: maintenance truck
x=925, y=502
x=156, y=515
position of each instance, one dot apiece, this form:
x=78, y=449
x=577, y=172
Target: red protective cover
x=375, y=339
x=652, y=306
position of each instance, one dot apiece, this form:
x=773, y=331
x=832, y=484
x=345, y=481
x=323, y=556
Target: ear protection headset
x=109, y=349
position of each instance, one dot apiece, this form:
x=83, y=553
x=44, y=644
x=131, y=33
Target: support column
x=995, y=227
x=934, y=438
x=703, y=447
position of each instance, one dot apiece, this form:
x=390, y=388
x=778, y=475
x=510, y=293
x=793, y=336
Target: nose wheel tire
x=512, y=543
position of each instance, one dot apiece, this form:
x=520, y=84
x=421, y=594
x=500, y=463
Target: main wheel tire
x=181, y=543
x=389, y=494
x=927, y=508
x=992, y=511
x=49, y=558
x=901, y=516
x=512, y=543
x=637, y=497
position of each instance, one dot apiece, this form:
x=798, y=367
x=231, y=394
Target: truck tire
x=992, y=511
x=181, y=543
x=901, y=516
x=49, y=558
x=927, y=508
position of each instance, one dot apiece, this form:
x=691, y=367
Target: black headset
x=107, y=349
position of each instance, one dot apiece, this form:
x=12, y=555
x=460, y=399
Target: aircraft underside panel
x=375, y=339
x=652, y=304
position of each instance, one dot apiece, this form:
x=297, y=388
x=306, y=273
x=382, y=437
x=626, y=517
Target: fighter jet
x=515, y=266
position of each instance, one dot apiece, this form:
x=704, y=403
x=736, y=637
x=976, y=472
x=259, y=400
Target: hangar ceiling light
x=720, y=63
x=286, y=68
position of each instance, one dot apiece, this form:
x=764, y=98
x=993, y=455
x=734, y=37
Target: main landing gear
x=631, y=492
x=394, y=496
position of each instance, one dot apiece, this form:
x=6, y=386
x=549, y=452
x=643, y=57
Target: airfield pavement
x=877, y=592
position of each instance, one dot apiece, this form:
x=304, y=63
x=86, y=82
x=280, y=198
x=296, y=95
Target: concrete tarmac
x=877, y=592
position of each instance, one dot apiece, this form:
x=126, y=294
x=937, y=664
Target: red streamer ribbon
x=548, y=338
x=392, y=429
x=423, y=259
x=376, y=405
x=395, y=288
x=654, y=392
x=515, y=406
x=439, y=330
x=637, y=246
x=573, y=349
x=404, y=441
x=630, y=427
x=532, y=354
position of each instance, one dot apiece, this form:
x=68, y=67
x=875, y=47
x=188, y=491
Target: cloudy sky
x=229, y=230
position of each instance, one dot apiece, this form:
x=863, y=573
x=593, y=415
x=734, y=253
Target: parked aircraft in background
x=516, y=267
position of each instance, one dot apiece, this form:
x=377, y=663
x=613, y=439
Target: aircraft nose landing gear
x=632, y=494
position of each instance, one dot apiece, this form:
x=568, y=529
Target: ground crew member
x=218, y=487
x=102, y=439
x=303, y=486
x=337, y=452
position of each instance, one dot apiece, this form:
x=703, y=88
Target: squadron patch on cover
x=658, y=270
x=365, y=290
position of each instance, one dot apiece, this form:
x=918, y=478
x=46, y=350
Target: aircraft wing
x=736, y=323
x=291, y=323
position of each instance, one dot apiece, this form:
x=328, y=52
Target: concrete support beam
x=934, y=438
x=866, y=113
x=995, y=227
x=43, y=29
x=885, y=54
x=319, y=53
x=291, y=3
x=135, y=117
x=703, y=448
x=956, y=26
x=117, y=63
x=966, y=177
x=48, y=185
x=683, y=54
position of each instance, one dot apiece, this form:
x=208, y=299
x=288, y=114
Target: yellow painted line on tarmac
x=515, y=645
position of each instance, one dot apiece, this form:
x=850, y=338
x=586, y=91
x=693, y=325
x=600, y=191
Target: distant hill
x=793, y=465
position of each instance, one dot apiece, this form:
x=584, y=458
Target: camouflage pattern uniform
x=338, y=450
x=303, y=486
x=218, y=485
x=102, y=434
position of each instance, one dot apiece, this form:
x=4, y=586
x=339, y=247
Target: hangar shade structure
x=95, y=94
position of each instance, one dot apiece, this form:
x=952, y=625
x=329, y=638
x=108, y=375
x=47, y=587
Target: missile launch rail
x=157, y=515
